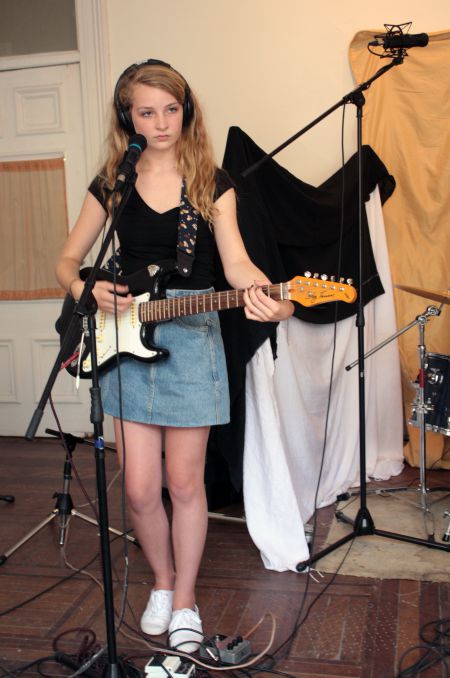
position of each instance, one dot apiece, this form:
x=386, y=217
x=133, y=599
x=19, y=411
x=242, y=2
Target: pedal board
x=231, y=650
x=162, y=666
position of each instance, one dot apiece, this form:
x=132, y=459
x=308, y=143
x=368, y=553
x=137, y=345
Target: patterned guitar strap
x=187, y=234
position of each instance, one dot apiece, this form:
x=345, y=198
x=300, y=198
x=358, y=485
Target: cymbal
x=437, y=295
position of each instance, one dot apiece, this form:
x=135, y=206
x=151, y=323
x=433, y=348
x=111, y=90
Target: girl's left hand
x=260, y=307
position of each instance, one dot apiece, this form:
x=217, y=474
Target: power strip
x=230, y=650
x=161, y=666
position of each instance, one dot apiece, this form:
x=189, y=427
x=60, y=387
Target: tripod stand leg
x=35, y=530
x=92, y=521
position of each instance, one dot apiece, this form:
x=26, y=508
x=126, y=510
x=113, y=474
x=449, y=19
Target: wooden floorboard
x=356, y=627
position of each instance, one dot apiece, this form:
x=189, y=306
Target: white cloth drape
x=286, y=407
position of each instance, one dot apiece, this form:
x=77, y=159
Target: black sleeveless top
x=147, y=237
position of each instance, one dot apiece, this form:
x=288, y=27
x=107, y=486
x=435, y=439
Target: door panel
x=40, y=117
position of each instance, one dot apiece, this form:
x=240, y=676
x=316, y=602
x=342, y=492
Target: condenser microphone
x=137, y=144
x=400, y=40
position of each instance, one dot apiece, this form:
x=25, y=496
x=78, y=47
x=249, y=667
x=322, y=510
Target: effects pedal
x=227, y=649
x=162, y=666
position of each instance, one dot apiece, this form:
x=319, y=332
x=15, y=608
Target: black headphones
x=123, y=114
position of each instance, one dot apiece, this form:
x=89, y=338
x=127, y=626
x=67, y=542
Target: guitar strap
x=187, y=237
x=187, y=234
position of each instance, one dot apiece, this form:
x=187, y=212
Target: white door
x=40, y=117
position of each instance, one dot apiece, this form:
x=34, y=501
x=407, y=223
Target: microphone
x=400, y=40
x=137, y=144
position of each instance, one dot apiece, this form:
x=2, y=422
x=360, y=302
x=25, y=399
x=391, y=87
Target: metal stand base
x=63, y=514
x=226, y=518
x=64, y=504
x=386, y=491
x=363, y=525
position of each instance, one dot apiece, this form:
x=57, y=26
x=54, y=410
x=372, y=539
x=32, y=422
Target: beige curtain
x=33, y=227
x=407, y=122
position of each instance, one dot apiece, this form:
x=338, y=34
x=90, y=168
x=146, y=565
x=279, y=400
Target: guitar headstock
x=311, y=290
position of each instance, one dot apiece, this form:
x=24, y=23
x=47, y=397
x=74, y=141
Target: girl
x=188, y=392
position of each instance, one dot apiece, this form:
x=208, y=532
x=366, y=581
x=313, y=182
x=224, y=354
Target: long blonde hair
x=195, y=159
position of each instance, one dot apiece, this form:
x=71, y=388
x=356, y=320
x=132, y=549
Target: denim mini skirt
x=188, y=388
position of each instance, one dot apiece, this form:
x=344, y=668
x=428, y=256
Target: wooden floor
x=354, y=626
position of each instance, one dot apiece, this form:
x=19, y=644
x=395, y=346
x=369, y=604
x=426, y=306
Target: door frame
x=95, y=71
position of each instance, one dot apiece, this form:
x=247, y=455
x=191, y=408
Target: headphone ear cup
x=188, y=107
x=123, y=116
x=126, y=122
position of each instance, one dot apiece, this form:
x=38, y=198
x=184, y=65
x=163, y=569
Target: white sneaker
x=185, y=630
x=157, y=614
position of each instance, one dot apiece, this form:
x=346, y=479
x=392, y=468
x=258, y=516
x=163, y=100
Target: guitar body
x=132, y=335
x=137, y=344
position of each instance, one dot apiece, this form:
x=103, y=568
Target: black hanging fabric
x=289, y=227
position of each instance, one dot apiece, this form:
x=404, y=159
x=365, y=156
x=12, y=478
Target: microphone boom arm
x=352, y=97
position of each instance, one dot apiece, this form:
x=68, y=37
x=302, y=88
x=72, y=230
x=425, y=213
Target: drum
x=436, y=394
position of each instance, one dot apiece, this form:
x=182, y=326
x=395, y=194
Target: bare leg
x=143, y=482
x=185, y=450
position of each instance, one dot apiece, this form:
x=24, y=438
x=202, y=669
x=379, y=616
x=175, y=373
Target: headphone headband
x=123, y=114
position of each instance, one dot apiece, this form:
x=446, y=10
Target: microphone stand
x=363, y=523
x=86, y=308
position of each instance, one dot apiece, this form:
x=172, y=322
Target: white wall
x=267, y=66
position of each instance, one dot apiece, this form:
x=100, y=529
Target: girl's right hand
x=104, y=295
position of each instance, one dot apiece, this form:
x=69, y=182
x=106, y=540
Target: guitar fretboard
x=175, y=307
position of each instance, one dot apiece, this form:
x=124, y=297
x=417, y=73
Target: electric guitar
x=150, y=307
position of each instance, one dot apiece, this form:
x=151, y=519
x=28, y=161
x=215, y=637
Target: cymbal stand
x=64, y=505
x=420, y=407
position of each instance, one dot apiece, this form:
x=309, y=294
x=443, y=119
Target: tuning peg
x=316, y=275
x=349, y=281
x=324, y=276
x=333, y=278
x=308, y=274
x=341, y=280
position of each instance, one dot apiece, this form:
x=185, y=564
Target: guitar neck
x=175, y=307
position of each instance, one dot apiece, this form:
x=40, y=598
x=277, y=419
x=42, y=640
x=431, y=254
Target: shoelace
x=159, y=601
x=185, y=617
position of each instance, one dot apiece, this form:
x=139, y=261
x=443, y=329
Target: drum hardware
x=436, y=394
x=443, y=296
x=422, y=407
x=446, y=535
